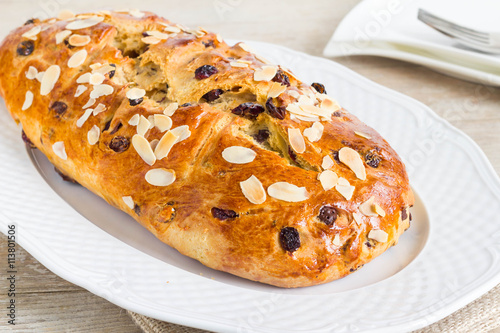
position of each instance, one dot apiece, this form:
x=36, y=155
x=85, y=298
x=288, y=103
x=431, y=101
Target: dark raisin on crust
x=327, y=215
x=209, y=43
x=134, y=102
x=212, y=95
x=319, y=87
x=335, y=154
x=25, y=48
x=223, y=214
x=292, y=154
x=119, y=144
x=112, y=73
x=274, y=111
x=337, y=114
x=65, y=177
x=106, y=127
x=185, y=105
x=248, y=110
x=59, y=108
x=30, y=21
x=137, y=209
x=27, y=140
x=404, y=214
x=66, y=42
x=282, y=78
x=261, y=136
x=373, y=159
x=204, y=72
x=289, y=239
x=117, y=127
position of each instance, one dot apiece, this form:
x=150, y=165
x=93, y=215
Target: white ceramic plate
x=391, y=29
x=448, y=257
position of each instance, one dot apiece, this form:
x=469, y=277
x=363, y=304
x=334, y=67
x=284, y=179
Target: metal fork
x=488, y=42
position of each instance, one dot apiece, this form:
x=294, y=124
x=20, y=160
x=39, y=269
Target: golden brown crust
x=180, y=214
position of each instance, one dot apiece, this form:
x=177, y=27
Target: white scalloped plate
x=449, y=256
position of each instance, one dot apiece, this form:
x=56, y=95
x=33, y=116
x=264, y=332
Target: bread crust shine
x=204, y=213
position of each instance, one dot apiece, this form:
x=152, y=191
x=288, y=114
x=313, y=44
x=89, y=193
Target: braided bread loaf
x=229, y=159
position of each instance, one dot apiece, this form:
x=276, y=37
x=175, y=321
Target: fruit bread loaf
x=227, y=158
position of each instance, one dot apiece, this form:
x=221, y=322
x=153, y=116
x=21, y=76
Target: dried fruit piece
x=327, y=215
x=328, y=179
x=289, y=239
x=253, y=190
x=274, y=111
x=261, y=136
x=296, y=140
x=212, y=95
x=282, y=78
x=351, y=158
x=28, y=100
x=59, y=108
x=319, y=87
x=249, y=110
x=119, y=144
x=60, y=150
x=204, y=72
x=238, y=155
x=373, y=159
x=165, y=144
x=287, y=192
x=223, y=214
x=143, y=148
x=49, y=79
x=378, y=235
x=160, y=177
x=265, y=73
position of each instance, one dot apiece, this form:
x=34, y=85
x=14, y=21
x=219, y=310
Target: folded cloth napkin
x=390, y=28
x=480, y=316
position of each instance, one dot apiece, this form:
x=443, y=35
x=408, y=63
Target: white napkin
x=390, y=28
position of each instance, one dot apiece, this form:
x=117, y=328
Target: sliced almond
x=357, y=218
x=80, y=90
x=99, y=108
x=135, y=93
x=294, y=93
x=296, y=140
x=85, y=23
x=315, y=132
x=96, y=79
x=134, y=121
x=165, y=144
x=309, y=119
x=61, y=35
x=330, y=105
x=102, y=69
x=129, y=202
x=160, y=177
x=39, y=76
x=238, y=155
x=287, y=192
x=150, y=40
x=219, y=38
x=262, y=59
x=60, y=150
x=162, y=122
x=136, y=13
x=143, y=126
x=327, y=162
x=182, y=132
x=379, y=210
x=351, y=158
x=275, y=90
x=77, y=59
x=78, y=40
x=49, y=79
x=378, y=235
x=157, y=34
x=28, y=100
x=345, y=188
x=367, y=208
x=245, y=47
x=93, y=135
x=336, y=240
x=297, y=110
x=143, y=148
x=154, y=143
x=101, y=90
x=170, y=109
x=151, y=120
x=363, y=135
x=89, y=103
x=328, y=179
x=265, y=73
x=31, y=34
x=172, y=29
x=31, y=73
x=253, y=190
x=84, y=78
x=315, y=111
x=83, y=118
x=238, y=64
x=65, y=14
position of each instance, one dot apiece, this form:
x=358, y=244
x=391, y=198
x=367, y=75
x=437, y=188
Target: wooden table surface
x=47, y=303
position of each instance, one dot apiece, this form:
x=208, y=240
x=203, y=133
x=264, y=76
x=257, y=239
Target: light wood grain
x=48, y=303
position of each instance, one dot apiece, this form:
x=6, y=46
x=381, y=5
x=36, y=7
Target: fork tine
x=423, y=13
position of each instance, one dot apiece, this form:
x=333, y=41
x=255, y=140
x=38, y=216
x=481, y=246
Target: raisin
x=30, y=21
x=116, y=128
x=66, y=42
x=119, y=144
x=209, y=43
x=212, y=95
x=112, y=73
x=336, y=114
x=223, y=214
x=25, y=48
x=248, y=110
x=261, y=136
x=372, y=159
x=319, y=87
x=59, y=108
x=27, y=140
x=404, y=214
x=145, y=34
x=411, y=217
x=204, y=72
x=185, y=105
x=335, y=154
x=134, y=102
x=327, y=215
x=65, y=177
x=274, y=111
x=137, y=210
x=289, y=239
x=292, y=154
x=106, y=127
x=282, y=78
